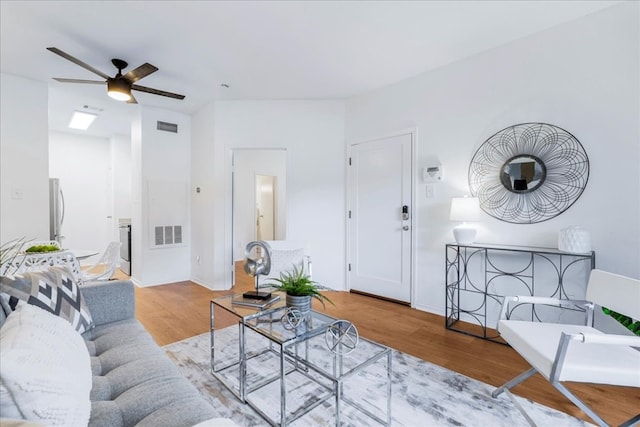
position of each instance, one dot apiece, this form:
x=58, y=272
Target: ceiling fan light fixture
x=119, y=89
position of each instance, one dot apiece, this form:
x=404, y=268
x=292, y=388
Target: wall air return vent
x=167, y=127
x=167, y=235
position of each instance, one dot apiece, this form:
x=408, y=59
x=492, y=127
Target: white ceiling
x=261, y=49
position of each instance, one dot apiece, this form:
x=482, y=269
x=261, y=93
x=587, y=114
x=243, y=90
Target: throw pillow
x=46, y=369
x=54, y=290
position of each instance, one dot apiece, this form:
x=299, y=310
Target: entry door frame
x=412, y=209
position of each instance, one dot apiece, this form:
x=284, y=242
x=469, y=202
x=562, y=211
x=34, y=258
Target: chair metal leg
x=580, y=404
x=514, y=382
x=633, y=421
x=562, y=389
x=520, y=408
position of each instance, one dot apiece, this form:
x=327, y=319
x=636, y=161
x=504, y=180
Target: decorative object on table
x=292, y=318
x=257, y=265
x=342, y=337
x=43, y=248
x=299, y=289
x=576, y=240
x=260, y=304
x=529, y=173
x=465, y=209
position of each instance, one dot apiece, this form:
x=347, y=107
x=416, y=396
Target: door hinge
x=349, y=161
x=349, y=214
x=349, y=267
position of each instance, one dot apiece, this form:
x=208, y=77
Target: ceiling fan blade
x=133, y=100
x=95, y=82
x=77, y=62
x=157, y=91
x=142, y=71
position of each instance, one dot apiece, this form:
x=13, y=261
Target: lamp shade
x=119, y=89
x=465, y=209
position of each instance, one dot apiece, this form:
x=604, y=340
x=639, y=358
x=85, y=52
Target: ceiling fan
x=120, y=86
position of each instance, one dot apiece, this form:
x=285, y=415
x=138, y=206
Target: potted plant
x=299, y=289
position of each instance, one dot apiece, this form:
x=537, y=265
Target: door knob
x=405, y=227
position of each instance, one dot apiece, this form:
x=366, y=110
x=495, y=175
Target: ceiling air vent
x=167, y=127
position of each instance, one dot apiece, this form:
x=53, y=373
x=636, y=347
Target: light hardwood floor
x=181, y=310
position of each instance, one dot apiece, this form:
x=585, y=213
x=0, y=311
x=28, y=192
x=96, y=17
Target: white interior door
x=379, y=230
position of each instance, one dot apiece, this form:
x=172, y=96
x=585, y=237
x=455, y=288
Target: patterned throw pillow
x=54, y=290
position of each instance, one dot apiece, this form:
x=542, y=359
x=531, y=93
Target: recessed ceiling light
x=81, y=120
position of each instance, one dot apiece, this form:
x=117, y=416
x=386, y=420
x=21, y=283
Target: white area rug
x=423, y=394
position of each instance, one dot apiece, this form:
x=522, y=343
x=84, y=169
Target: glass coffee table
x=285, y=372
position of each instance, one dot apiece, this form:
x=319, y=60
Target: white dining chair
x=105, y=267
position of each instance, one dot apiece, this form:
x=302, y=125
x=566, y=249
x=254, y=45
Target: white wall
x=120, y=179
x=204, y=206
x=24, y=164
x=160, y=193
x=583, y=77
x=312, y=134
x=82, y=163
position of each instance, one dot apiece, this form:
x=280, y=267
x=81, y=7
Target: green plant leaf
x=297, y=283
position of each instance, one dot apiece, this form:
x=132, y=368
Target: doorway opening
x=258, y=203
x=266, y=207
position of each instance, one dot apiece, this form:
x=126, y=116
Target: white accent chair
x=578, y=353
x=106, y=266
x=284, y=255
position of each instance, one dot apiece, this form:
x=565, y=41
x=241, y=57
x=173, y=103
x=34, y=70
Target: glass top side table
x=264, y=320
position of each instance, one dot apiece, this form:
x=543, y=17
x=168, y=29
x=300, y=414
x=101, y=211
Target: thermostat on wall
x=432, y=173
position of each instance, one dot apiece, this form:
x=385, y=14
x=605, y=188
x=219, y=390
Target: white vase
x=575, y=240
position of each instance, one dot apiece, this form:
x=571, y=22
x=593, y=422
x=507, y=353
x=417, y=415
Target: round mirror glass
x=523, y=173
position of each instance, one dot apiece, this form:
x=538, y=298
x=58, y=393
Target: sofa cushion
x=54, y=290
x=135, y=383
x=46, y=374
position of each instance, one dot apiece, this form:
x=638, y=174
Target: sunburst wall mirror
x=528, y=173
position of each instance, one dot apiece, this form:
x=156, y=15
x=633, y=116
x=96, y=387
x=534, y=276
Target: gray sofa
x=134, y=382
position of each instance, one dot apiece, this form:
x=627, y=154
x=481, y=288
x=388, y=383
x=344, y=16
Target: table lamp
x=464, y=209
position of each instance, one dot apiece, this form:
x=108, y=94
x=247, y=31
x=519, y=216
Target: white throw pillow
x=45, y=369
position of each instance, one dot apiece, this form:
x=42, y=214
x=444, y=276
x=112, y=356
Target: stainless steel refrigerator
x=56, y=210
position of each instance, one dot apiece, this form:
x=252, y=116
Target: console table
x=478, y=276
